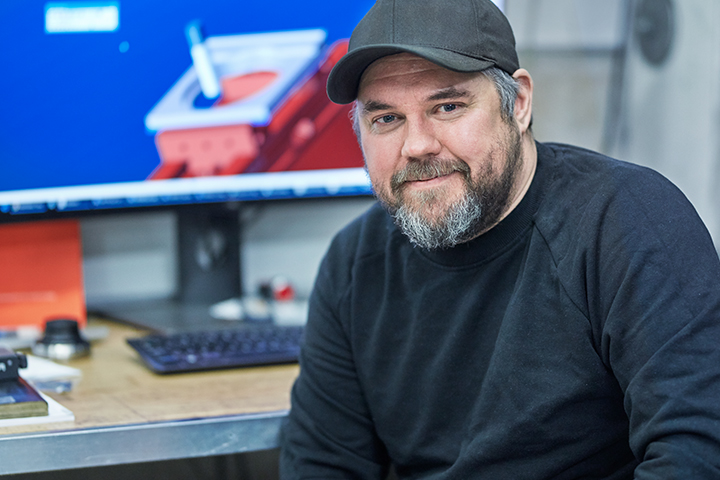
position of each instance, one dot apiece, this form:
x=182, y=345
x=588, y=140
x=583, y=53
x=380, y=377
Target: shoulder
x=576, y=169
x=590, y=187
x=366, y=236
x=599, y=212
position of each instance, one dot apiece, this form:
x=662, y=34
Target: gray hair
x=506, y=86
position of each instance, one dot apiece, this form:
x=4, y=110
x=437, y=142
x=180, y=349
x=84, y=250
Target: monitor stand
x=209, y=272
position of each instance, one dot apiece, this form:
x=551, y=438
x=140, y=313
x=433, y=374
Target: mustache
x=426, y=170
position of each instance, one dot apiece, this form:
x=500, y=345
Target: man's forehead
x=397, y=65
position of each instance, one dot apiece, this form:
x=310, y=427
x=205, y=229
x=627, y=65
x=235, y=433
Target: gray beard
x=480, y=208
x=456, y=227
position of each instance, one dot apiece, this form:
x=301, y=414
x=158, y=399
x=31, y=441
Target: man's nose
x=420, y=140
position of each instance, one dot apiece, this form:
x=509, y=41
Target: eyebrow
x=449, y=93
x=372, y=106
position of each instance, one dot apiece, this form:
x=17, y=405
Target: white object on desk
x=47, y=375
x=286, y=312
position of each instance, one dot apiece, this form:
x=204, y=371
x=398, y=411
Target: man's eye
x=386, y=119
x=448, y=107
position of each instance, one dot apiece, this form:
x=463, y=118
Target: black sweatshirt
x=579, y=338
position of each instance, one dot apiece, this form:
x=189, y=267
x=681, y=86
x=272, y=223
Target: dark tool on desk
x=62, y=341
x=251, y=345
x=10, y=363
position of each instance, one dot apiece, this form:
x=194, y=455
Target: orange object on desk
x=41, y=273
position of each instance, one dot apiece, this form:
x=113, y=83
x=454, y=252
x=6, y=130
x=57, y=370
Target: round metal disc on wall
x=654, y=29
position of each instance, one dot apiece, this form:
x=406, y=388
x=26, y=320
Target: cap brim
x=344, y=79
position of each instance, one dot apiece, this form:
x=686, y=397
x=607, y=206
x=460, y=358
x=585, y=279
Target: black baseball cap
x=460, y=35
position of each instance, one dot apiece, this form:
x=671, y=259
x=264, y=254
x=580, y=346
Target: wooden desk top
x=116, y=390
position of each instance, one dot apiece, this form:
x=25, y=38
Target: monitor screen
x=123, y=103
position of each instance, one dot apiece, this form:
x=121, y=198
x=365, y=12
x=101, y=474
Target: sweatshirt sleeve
x=340, y=443
x=656, y=278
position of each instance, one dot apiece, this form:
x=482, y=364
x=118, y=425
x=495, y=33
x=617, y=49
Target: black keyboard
x=211, y=350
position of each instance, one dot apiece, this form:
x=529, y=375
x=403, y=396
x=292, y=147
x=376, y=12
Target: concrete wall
x=669, y=118
x=584, y=25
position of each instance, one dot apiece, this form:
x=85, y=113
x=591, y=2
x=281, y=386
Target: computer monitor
x=103, y=106
x=115, y=105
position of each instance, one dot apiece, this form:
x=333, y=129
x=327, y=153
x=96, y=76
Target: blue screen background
x=73, y=104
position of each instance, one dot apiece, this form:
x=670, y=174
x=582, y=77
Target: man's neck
x=527, y=172
x=523, y=180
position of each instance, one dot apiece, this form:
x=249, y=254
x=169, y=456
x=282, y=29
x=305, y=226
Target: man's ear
x=523, y=103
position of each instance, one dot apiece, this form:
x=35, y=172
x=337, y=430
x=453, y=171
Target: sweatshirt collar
x=508, y=231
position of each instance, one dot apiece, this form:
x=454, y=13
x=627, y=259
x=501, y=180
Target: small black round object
x=61, y=331
x=62, y=341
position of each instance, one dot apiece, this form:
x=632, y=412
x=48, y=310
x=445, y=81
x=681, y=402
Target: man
x=513, y=309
